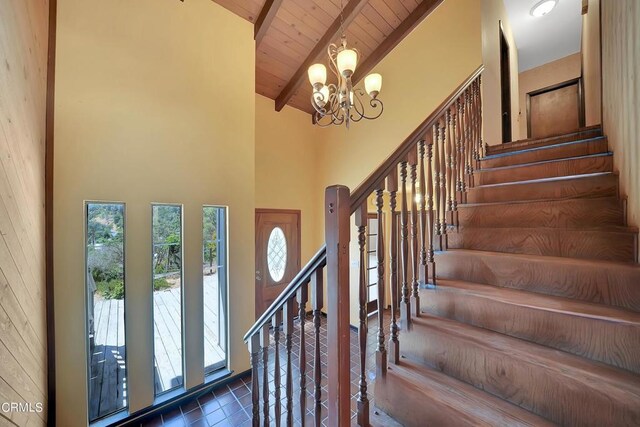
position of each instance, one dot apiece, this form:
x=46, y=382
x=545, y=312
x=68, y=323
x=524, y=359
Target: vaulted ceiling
x=293, y=34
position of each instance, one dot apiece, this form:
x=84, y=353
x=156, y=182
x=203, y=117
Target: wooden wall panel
x=621, y=94
x=23, y=58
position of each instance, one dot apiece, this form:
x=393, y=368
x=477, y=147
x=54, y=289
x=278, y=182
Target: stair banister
x=451, y=153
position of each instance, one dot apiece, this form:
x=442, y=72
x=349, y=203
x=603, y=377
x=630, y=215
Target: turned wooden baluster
x=455, y=182
x=482, y=146
x=363, y=400
x=405, y=303
x=474, y=120
x=436, y=185
x=302, y=297
x=458, y=146
x=412, y=159
x=264, y=342
x=451, y=181
x=423, y=213
x=276, y=370
x=469, y=143
x=394, y=347
x=479, y=120
x=461, y=148
x=443, y=185
x=317, y=301
x=430, y=260
x=288, y=314
x=381, y=352
x=254, y=349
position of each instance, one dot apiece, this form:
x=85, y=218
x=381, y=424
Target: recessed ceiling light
x=543, y=7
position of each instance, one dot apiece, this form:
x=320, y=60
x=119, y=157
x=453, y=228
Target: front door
x=277, y=253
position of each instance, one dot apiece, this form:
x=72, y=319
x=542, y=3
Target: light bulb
x=373, y=84
x=321, y=96
x=347, y=61
x=317, y=74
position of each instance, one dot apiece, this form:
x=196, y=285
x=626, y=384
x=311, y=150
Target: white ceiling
x=547, y=38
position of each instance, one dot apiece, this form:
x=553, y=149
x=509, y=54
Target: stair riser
x=570, y=167
x=599, y=245
x=533, y=143
x=394, y=397
x=596, y=146
x=608, y=284
x=567, y=214
x=595, y=186
x=529, y=385
x=617, y=344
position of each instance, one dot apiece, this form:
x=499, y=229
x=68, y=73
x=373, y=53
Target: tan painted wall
x=558, y=71
x=148, y=110
x=23, y=340
x=591, y=64
x=286, y=169
x=493, y=12
x=621, y=95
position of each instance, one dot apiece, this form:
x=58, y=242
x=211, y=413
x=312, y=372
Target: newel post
x=337, y=236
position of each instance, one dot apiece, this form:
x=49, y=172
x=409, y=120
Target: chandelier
x=339, y=103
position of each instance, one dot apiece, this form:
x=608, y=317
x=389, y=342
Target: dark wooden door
x=505, y=87
x=555, y=110
x=277, y=253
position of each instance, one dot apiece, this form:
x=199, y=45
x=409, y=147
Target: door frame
x=577, y=81
x=298, y=214
x=505, y=90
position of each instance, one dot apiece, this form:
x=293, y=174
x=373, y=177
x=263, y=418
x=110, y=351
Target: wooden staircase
x=535, y=319
x=511, y=276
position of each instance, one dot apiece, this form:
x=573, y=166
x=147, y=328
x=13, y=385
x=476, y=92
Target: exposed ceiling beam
x=351, y=10
x=396, y=36
x=268, y=12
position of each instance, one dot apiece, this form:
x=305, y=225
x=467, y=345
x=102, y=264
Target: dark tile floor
x=230, y=404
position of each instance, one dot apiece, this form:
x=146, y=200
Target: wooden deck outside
x=108, y=380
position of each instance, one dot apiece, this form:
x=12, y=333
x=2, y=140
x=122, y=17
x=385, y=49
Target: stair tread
x=618, y=384
x=600, y=228
x=554, y=178
x=538, y=201
x=514, y=145
x=544, y=147
x=542, y=302
x=464, y=398
x=551, y=258
x=564, y=159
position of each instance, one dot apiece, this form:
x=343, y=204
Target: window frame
x=85, y=223
x=161, y=394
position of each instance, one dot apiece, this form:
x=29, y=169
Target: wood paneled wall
x=620, y=22
x=23, y=59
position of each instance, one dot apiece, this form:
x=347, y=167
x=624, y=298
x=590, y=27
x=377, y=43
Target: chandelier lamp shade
x=340, y=103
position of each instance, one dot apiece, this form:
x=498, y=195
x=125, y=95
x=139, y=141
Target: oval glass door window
x=277, y=254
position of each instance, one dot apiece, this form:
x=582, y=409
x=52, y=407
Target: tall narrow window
x=105, y=287
x=167, y=297
x=214, y=270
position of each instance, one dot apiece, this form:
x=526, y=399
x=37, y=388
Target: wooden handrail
x=369, y=185
x=304, y=276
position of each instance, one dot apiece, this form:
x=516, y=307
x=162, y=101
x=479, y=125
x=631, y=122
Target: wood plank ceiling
x=293, y=34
